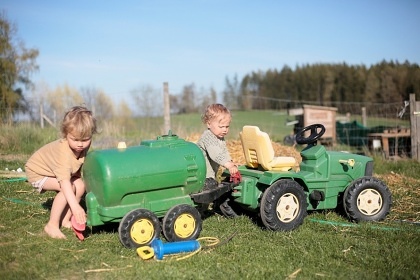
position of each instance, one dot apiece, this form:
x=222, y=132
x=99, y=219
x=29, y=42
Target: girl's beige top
x=55, y=159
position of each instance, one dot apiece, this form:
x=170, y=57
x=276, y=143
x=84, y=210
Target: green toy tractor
x=324, y=180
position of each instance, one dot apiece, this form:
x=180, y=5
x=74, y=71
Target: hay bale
x=237, y=153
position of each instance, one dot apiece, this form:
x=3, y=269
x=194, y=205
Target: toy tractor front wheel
x=182, y=222
x=367, y=199
x=138, y=228
x=283, y=206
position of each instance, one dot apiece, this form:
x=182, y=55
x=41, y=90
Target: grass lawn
x=326, y=246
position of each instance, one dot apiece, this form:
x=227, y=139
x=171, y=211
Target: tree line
x=325, y=85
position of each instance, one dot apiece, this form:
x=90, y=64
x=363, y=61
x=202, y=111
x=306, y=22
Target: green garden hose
x=351, y=224
x=14, y=179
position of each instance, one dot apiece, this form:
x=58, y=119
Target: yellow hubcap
x=184, y=225
x=142, y=231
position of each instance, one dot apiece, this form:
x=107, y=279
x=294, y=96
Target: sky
x=119, y=46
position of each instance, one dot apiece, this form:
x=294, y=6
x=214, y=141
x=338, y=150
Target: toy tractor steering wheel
x=313, y=137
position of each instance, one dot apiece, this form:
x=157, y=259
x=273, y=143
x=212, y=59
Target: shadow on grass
x=47, y=205
x=107, y=228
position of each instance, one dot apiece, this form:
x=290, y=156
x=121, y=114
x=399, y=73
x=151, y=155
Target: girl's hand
x=80, y=214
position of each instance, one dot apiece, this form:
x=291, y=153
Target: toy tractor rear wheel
x=227, y=206
x=138, y=228
x=367, y=199
x=227, y=209
x=283, y=206
x=182, y=222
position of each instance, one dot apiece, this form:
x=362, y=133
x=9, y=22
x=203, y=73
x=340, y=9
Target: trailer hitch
x=208, y=196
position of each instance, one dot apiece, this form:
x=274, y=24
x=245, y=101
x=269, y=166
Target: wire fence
x=354, y=122
x=381, y=127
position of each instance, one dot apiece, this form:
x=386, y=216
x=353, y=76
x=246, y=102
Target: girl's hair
x=214, y=110
x=79, y=121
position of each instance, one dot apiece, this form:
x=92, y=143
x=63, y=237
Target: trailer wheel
x=283, y=206
x=182, y=222
x=138, y=228
x=367, y=199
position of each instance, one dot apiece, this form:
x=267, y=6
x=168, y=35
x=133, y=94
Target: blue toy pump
x=158, y=249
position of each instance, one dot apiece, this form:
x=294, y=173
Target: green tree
x=17, y=63
x=412, y=80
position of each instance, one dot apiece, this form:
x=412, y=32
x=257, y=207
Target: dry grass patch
x=406, y=196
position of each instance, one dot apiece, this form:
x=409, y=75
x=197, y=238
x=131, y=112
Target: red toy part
x=78, y=228
x=236, y=178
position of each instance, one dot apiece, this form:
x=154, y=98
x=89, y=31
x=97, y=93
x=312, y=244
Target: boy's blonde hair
x=214, y=110
x=79, y=121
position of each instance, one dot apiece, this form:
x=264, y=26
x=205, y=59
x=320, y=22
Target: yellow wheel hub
x=184, y=225
x=142, y=231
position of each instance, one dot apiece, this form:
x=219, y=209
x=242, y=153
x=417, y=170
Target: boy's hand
x=232, y=167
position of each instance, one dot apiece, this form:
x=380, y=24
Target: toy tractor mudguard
x=324, y=180
x=136, y=186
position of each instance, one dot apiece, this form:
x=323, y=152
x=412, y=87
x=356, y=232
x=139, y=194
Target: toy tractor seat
x=259, y=151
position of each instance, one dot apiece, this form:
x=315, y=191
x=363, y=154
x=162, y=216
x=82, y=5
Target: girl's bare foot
x=54, y=232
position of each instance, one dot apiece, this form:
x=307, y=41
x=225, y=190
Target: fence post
x=41, y=115
x=415, y=127
x=166, y=109
x=364, y=119
x=44, y=117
